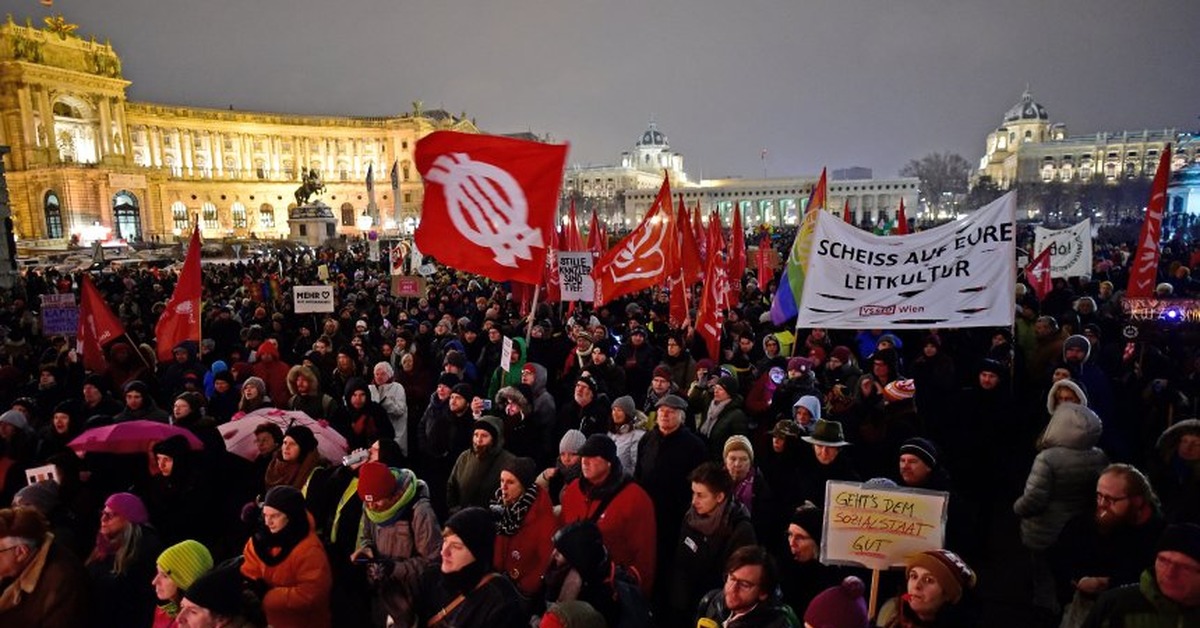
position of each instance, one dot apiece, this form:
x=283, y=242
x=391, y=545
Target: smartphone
x=487, y=404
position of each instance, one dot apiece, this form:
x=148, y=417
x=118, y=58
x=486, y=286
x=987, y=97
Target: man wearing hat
x=661, y=385
x=47, y=586
x=545, y=410
x=476, y=473
x=215, y=600
x=828, y=462
x=588, y=410
x=621, y=509
x=140, y=405
x=1169, y=591
x=445, y=432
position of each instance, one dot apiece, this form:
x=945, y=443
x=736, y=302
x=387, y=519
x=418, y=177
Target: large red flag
x=642, y=258
x=1037, y=273
x=97, y=326
x=901, y=220
x=489, y=202
x=596, y=236
x=677, y=271
x=765, y=272
x=737, y=256
x=574, y=239
x=689, y=255
x=711, y=316
x=552, y=279
x=181, y=320
x=846, y=212
x=698, y=235
x=1143, y=271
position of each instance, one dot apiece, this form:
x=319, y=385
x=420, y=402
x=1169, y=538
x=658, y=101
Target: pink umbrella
x=129, y=437
x=239, y=434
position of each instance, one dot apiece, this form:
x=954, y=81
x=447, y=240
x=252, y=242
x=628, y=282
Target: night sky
x=815, y=83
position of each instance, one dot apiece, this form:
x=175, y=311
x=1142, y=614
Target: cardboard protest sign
x=879, y=528
x=961, y=274
x=1070, y=248
x=313, y=299
x=575, y=275
x=506, y=347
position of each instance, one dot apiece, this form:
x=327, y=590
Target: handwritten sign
x=60, y=317
x=506, y=348
x=879, y=528
x=575, y=276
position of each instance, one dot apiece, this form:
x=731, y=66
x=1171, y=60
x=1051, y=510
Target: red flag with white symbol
x=97, y=326
x=711, y=316
x=643, y=258
x=1143, y=271
x=489, y=203
x=181, y=320
x=1037, y=273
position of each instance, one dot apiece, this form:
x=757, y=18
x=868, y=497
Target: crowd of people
x=607, y=471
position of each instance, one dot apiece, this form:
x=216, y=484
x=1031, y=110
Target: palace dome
x=653, y=137
x=1027, y=109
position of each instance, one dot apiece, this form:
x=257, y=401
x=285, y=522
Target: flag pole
x=537, y=289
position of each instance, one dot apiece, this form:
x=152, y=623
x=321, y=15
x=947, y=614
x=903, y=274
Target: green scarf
x=407, y=482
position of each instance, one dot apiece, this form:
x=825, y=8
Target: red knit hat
x=375, y=482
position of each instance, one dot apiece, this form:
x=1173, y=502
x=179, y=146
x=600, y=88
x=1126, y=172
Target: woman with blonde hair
x=121, y=564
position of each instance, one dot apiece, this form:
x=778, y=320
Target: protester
x=464, y=590
x=937, y=580
x=476, y=474
x=178, y=567
x=295, y=460
x=839, y=606
x=42, y=584
x=1168, y=593
x=121, y=565
x=748, y=597
x=525, y=522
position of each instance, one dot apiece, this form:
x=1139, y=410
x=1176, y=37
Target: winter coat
x=126, y=600
x=298, y=587
x=730, y=421
x=475, y=478
x=523, y=557
x=770, y=613
x=52, y=592
x=363, y=426
x=627, y=438
x=700, y=557
x=391, y=397
x=1140, y=605
x=663, y=466
x=413, y=541
x=595, y=418
x=1062, y=482
x=626, y=524
x=490, y=604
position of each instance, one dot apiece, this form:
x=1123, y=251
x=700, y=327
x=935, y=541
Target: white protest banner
x=880, y=527
x=312, y=299
x=1071, y=249
x=575, y=275
x=506, y=347
x=961, y=274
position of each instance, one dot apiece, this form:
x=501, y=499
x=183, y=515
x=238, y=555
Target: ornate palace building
x=1027, y=147
x=88, y=163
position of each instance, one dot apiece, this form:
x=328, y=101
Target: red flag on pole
x=711, y=316
x=716, y=243
x=698, y=235
x=181, y=320
x=846, y=212
x=901, y=220
x=689, y=255
x=676, y=281
x=737, y=256
x=765, y=273
x=642, y=258
x=97, y=326
x=595, y=236
x=574, y=239
x=1143, y=272
x=1037, y=273
x=489, y=203
x=552, y=280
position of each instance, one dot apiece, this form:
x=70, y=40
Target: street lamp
x=363, y=222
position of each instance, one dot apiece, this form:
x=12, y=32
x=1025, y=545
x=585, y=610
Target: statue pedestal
x=312, y=224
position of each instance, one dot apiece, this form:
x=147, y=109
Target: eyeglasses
x=1109, y=500
x=742, y=585
x=105, y=515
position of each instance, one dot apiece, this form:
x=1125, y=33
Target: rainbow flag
x=786, y=304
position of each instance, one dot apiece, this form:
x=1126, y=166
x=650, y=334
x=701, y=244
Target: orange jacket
x=298, y=587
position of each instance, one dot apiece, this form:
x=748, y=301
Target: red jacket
x=275, y=375
x=627, y=525
x=298, y=587
x=525, y=555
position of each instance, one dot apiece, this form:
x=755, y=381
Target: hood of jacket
x=539, y=379
x=1073, y=426
x=1052, y=402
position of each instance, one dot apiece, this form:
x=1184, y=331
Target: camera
x=355, y=457
x=487, y=404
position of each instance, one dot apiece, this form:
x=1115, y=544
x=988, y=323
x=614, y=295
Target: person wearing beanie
x=839, y=373
x=628, y=427
x=217, y=599
x=398, y=539
x=360, y=420
x=140, y=405
x=748, y=597
x=476, y=474
x=1168, y=593
x=724, y=416
x=295, y=460
x=178, y=498
x=525, y=522
x=271, y=369
x=253, y=396
x=803, y=574
x=306, y=395
x=839, y=606
x=625, y=519
x=286, y=563
x=178, y=567
x=588, y=410
x=567, y=466
x=121, y=564
x=919, y=466
x=445, y=431
x=661, y=385
x=936, y=582
x=464, y=590
x=678, y=359
x=573, y=614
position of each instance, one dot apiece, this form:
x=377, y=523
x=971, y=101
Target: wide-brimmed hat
x=826, y=433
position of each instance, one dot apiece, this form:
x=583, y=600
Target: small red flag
x=551, y=278
x=698, y=235
x=693, y=269
x=181, y=320
x=490, y=202
x=846, y=213
x=1037, y=273
x=595, y=236
x=641, y=259
x=765, y=272
x=710, y=318
x=1143, y=272
x=97, y=326
x=901, y=220
x=574, y=238
x=737, y=256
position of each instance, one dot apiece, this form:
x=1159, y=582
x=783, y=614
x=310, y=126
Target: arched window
x=53, y=208
x=179, y=216
x=266, y=216
x=127, y=216
x=208, y=212
x=347, y=215
x=238, y=211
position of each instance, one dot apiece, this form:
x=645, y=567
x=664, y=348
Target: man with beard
x=588, y=410
x=1111, y=546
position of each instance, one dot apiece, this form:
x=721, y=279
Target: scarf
x=407, y=482
x=714, y=411
x=743, y=492
x=273, y=547
x=707, y=525
x=511, y=515
x=279, y=471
